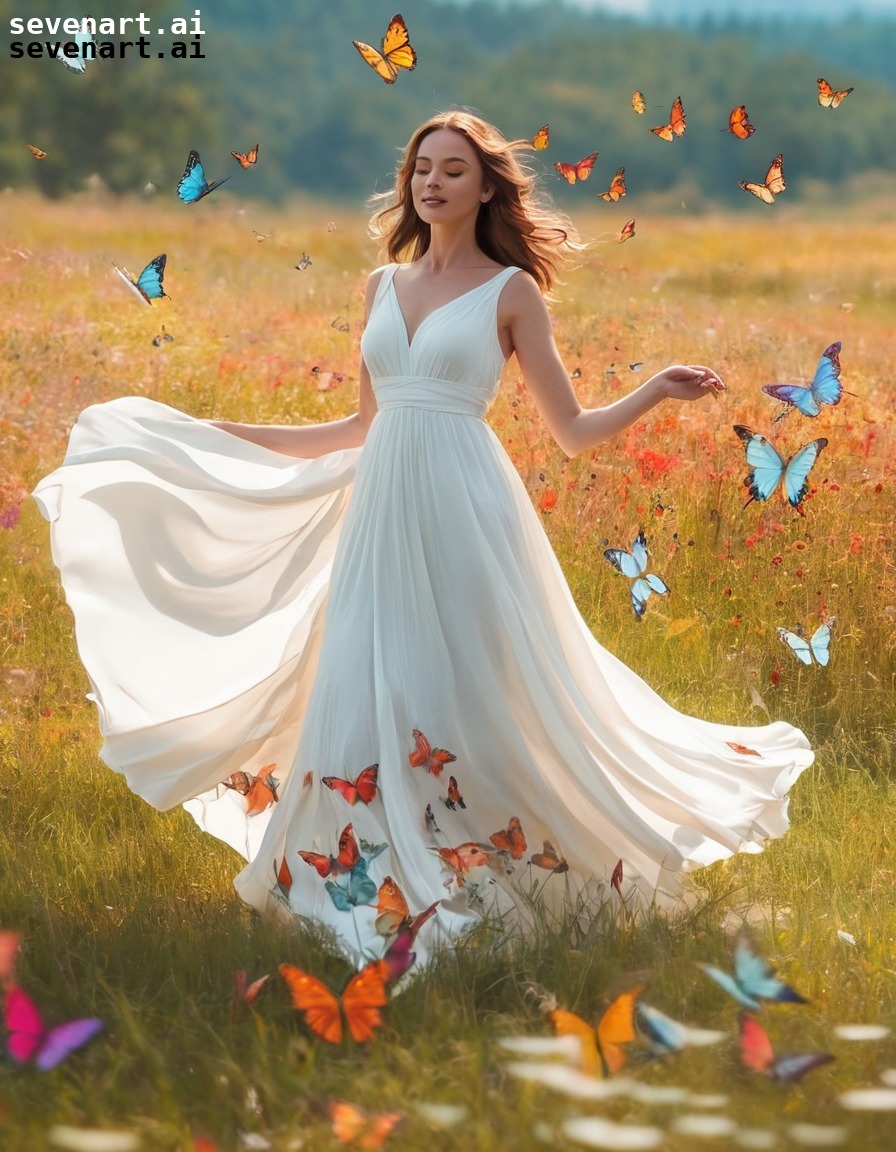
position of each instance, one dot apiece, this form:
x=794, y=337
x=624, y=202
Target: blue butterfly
x=753, y=980
x=193, y=184
x=79, y=63
x=816, y=649
x=667, y=1035
x=824, y=389
x=633, y=564
x=148, y=285
x=770, y=469
x=358, y=889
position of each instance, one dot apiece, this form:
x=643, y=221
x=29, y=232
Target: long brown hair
x=514, y=227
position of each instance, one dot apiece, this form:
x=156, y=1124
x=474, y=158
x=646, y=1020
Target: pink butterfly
x=30, y=1039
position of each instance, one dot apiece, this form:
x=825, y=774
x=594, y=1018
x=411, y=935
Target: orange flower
x=856, y=541
x=799, y=545
x=548, y=499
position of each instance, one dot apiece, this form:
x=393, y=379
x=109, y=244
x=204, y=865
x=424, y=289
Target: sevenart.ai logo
x=180, y=39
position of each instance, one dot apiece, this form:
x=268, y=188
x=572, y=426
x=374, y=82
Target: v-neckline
x=409, y=340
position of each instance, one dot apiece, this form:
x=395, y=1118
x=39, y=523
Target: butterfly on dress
x=676, y=124
x=815, y=650
x=824, y=389
x=580, y=171
x=465, y=858
x=771, y=471
x=628, y=231
x=347, y=855
x=739, y=123
x=617, y=187
x=827, y=97
x=603, y=1047
x=753, y=980
x=193, y=185
x=454, y=800
x=633, y=565
x=616, y=880
x=393, y=913
x=429, y=818
x=357, y=1010
x=37, y=153
x=511, y=839
x=245, y=159
x=363, y=788
x=260, y=791
x=756, y=1053
x=357, y=888
x=773, y=184
x=639, y=103
x=78, y=62
x=549, y=858
x=304, y=263
x=396, y=51
x=283, y=879
x=28, y=1039
x=425, y=756
x=148, y=285
x=542, y=138
x=366, y=1130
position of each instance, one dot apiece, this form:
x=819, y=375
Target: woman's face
x=447, y=184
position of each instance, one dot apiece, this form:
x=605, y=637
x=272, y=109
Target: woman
x=453, y=656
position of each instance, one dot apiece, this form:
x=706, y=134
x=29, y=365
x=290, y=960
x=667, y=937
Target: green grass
x=130, y=914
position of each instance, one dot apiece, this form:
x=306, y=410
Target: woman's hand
x=689, y=382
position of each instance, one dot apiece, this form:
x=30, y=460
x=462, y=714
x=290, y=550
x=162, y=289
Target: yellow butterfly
x=396, y=51
x=638, y=103
x=542, y=138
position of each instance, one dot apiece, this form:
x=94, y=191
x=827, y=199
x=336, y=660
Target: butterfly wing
x=630, y=564
x=627, y=232
x=66, y=1038
x=639, y=103
x=616, y=1029
x=827, y=97
x=9, y=951
x=569, y=1024
x=756, y=977
x=366, y=783
x=362, y=1000
x=820, y=643
x=765, y=460
x=511, y=839
x=755, y=1047
x=315, y=1001
x=322, y=864
x=149, y=282
x=826, y=387
x=617, y=187
x=284, y=878
x=796, y=1065
x=193, y=185
x=677, y=117
x=664, y=1033
x=542, y=138
x=348, y=853
x=78, y=63
x=759, y=190
x=392, y=908
x=796, y=474
x=727, y=982
x=796, y=395
x=24, y=1025
x=37, y=153
x=398, y=957
x=797, y=644
x=739, y=124
x=345, y=788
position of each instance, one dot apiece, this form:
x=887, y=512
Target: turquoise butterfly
x=193, y=184
x=79, y=63
x=824, y=389
x=633, y=565
x=770, y=469
x=148, y=285
x=816, y=649
x=753, y=980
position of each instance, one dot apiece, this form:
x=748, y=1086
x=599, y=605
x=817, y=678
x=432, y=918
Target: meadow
x=130, y=915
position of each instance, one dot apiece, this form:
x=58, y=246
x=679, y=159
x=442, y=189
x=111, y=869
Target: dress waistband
x=430, y=392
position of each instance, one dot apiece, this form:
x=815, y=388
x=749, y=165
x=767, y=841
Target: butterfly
x=739, y=124
x=668, y=1035
x=632, y=564
x=639, y=103
x=511, y=839
x=827, y=97
x=78, y=63
x=425, y=756
x=396, y=51
x=617, y=187
x=676, y=124
x=542, y=138
x=148, y=285
x=347, y=856
x=304, y=263
x=284, y=878
x=627, y=232
x=816, y=649
x=340, y=324
x=549, y=858
x=369, y=1130
x=580, y=171
x=753, y=980
x=756, y=1053
x=454, y=800
x=393, y=913
x=771, y=470
x=245, y=991
x=824, y=389
x=29, y=1039
x=774, y=182
x=363, y=789
x=430, y=819
x=260, y=791
x=603, y=1051
x=465, y=857
x=193, y=185
x=742, y=749
x=357, y=888
x=260, y=237
x=250, y=157
x=37, y=153
x=161, y=338
x=616, y=879
x=9, y=951
x=358, y=1006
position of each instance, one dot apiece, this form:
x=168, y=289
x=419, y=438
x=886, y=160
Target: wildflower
x=548, y=499
x=856, y=541
x=734, y=621
x=778, y=560
x=799, y=573
x=799, y=545
x=776, y=676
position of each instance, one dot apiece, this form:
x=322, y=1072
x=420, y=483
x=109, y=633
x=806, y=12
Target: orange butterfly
x=774, y=182
x=511, y=839
x=363, y=789
x=284, y=877
x=603, y=1052
x=827, y=97
x=617, y=187
x=627, y=232
x=549, y=858
x=370, y=1130
x=466, y=857
x=639, y=103
x=260, y=791
x=676, y=124
x=347, y=856
x=250, y=157
x=425, y=756
x=393, y=913
x=396, y=51
x=541, y=139
x=743, y=749
x=37, y=153
x=580, y=171
x=454, y=799
x=739, y=124
x=360, y=1003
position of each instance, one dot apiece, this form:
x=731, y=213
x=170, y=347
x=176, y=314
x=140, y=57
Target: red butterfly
x=549, y=858
x=363, y=789
x=627, y=232
x=676, y=124
x=580, y=171
x=260, y=791
x=243, y=990
x=284, y=877
x=250, y=157
x=511, y=839
x=454, y=800
x=425, y=756
x=360, y=1003
x=617, y=187
x=756, y=1053
x=346, y=858
x=739, y=124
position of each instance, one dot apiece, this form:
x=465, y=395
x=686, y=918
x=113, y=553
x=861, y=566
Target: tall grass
x=130, y=914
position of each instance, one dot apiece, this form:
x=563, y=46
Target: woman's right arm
x=310, y=440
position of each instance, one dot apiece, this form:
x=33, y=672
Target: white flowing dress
x=236, y=608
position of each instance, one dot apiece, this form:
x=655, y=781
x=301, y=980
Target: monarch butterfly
x=827, y=97
x=396, y=51
x=774, y=182
x=633, y=565
x=549, y=858
x=617, y=187
x=369, y=1130
x=148, y=285
x=454, y=800
x=771, y=470
x=37, y=153
x=627, y=232
x=676, y=124
x=363, y=789
x=580, y=171
x=753, y=980
x=260, y=791
x=393, y=913
x=757, y=1054
x=603, y=1051
x=824, y=389
x=510, y=839
x=246, y=159
x=347, y=855
x=28, y=1037
x=817, y=649
x=639, y=103
x=739, y=124
x=425, y=756
x=324, y=1011
x=541, y=139
x=193, y=185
